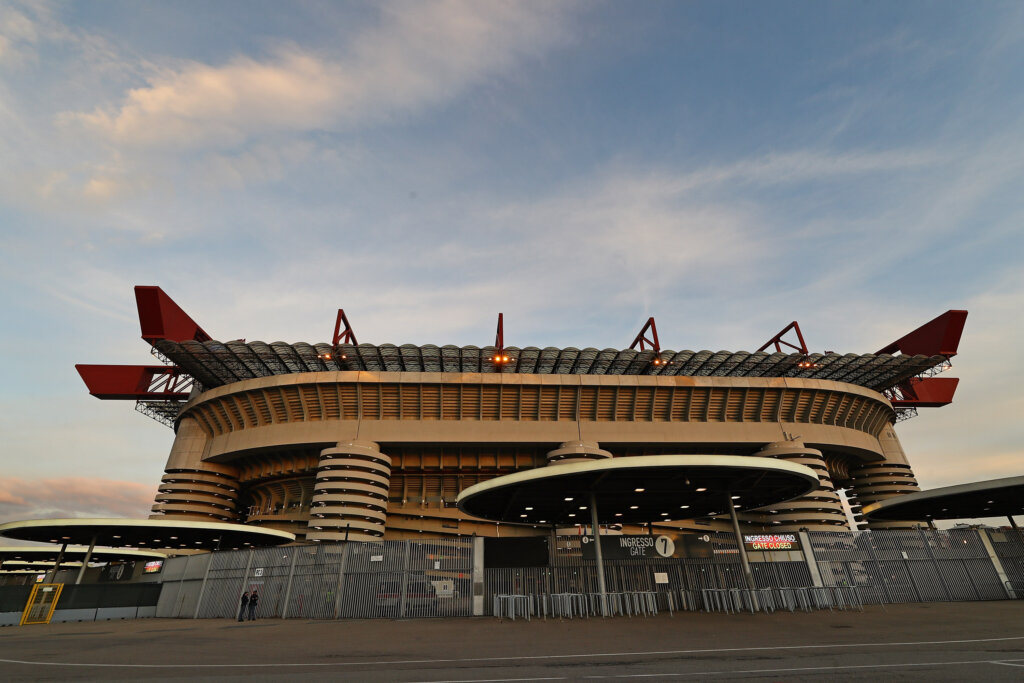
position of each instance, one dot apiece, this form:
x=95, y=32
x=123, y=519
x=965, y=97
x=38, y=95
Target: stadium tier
x=342, y=440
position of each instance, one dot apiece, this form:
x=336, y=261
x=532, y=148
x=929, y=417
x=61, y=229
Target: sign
x=258, y=571
x=770, y=542
x=153, y=567
x=376, y=558
x=660, y=577
x=650, y=547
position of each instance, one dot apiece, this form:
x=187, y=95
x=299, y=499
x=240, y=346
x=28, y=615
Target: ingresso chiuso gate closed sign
x=763, y=542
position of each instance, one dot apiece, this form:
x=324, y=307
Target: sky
x=726, y=167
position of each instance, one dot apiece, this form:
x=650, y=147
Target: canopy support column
x=85, y=562
x=56, y=565
x=597, y=553
x=739, y=542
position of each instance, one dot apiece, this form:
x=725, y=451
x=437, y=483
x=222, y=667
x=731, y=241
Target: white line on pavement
x=525, y=657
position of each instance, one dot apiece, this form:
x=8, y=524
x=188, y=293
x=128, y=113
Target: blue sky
x=725, y=166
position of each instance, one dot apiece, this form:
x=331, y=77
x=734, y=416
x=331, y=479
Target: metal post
x=600, y=557
x=56, y=565
x=878, y=567
x=405, y=582
x=1004, y=580
x=288, y=589
x=340, y=588
x=85, y=562
x=202, y=586
x=739, y=542
x=938, y=569
x=812, y=562
x=478, y=576
x=1012, y=522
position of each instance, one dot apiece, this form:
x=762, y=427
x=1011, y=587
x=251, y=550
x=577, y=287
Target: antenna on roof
x=500, y=359
x=780, y=342
x=347, y=335
x=652, y=340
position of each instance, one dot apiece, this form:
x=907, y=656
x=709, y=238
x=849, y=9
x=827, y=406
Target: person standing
x=254, y=600
x=245, y=602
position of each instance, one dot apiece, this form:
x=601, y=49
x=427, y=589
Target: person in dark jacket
x=245, y=602
x=254, y=599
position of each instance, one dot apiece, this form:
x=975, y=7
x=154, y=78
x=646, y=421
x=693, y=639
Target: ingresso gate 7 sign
x=651, y=547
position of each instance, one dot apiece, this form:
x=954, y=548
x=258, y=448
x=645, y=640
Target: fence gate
x=901, y=565
x=389, y=579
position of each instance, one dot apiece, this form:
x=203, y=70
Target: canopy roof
x=215, y=363
x=636, y=490
x=992, y=498
x=73, y=554
x=150, y=533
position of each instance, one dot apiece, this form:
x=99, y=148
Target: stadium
x=347, y=441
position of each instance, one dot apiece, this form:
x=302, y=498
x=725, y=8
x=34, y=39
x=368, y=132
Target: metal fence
x=395, y=579
x=434, y=578
x=885, y=566
x=909, y=565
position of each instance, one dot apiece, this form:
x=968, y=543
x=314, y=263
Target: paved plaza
x=933, y=642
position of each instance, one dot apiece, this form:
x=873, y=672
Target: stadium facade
x=349, y=441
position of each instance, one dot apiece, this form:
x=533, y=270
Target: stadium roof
x=638, y=489
x=153, y=533
x=215, y=363
x=979, y=499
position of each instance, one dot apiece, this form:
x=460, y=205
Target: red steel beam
x=500, y=359
x=938, y=337
x=343, y=335
x=161, y=318
x=780, y=342
x=133, y=382
x=644, y=340
x=926, y=392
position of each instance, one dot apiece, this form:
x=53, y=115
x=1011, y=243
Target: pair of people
x=249, y=603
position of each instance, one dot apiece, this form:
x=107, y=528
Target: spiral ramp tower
x=577, y=451
x=822, y=510
x=350, y=496
x=874, y=482
x=194, y=489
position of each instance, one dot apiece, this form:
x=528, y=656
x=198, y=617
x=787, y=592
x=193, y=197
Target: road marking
x=526, y=657
x=802, y=668
x=1007, y=662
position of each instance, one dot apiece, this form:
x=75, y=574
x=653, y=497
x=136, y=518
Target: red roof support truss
x=346, y=335
x=136, y=382
x=780, y=342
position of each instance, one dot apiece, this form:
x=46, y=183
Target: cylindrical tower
x=577, y=451
x=192, y=488
x=875, y=481
x=822, y=510
x=350, y=496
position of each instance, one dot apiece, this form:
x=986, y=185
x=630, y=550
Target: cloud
x=73, y=497
x=419, y=55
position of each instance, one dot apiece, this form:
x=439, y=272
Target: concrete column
x=598, y=554
x=288, y=589
x=202, y=586
x=739, y=543
x=478, y=576
x=997, y=564
x=56, y=565
x=339, y=590
x=85, y=562
x=812, y=563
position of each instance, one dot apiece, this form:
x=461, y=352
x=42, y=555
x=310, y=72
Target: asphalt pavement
x=920, y=642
